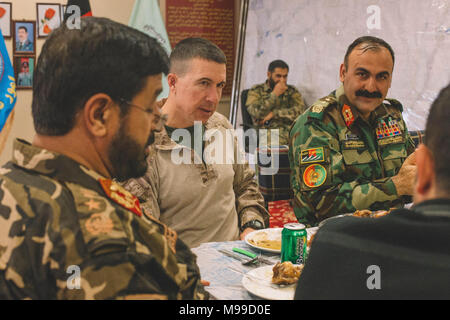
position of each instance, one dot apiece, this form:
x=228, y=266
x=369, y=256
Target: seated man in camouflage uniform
x=68, y=231
x=275, y=104
x=348, y=149
x=403, y=255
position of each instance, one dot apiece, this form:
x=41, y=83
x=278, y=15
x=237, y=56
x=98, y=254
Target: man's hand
x=267, y=118
x=245, y=232
x=405, y=179
x=280, y=88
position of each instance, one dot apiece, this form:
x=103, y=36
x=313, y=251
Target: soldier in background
x=67, y=230
x=275, y=104
x=350, y=149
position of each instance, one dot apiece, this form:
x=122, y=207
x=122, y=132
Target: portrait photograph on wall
x=23, y=72
x=48, y=18
x=5, y=19
x=24, y=39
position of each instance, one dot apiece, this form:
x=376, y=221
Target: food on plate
x=370, y=214
x=261, y=239
x=308, y=244
x=286, y=273
x=362, y=213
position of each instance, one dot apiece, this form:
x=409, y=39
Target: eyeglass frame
x=159, y=118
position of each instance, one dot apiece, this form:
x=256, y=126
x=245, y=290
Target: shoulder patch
x=317, y=109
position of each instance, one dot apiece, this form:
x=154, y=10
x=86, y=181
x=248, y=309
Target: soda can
x=294, y=239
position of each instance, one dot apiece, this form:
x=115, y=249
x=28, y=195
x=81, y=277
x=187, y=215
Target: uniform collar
x=267, y=88
x=46, y=162
x=164, y=142
x=434, y=207
x=351, y=114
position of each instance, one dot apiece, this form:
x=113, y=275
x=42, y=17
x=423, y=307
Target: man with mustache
x=350, y=149
x=402, y=255
x=68, y=230
x=275, y=104
x=202, y=200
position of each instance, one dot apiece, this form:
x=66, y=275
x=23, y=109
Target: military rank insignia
x=312, y=155
x=118, y=194
x=348, y=115
x=315, y=175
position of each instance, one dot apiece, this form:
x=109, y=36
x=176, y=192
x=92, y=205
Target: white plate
x=271, y=234
x=259, y=282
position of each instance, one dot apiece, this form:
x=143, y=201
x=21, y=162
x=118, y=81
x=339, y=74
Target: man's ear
x=269, y=74
x=172, y=80
x=98, y=113
x=342, y=72
x=425, y=170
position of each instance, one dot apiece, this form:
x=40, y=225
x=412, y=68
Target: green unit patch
x=312, y=155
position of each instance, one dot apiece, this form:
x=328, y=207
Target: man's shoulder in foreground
x=403, y=245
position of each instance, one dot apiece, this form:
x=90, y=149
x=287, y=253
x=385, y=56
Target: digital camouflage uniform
x=55, y=213
x=286, y=108
x=341, y=163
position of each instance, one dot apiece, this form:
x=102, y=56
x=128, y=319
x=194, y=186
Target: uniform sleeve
x=295, y=108
x=146, y=189
x=334, y=193
x=249, y=201
x=259, y=104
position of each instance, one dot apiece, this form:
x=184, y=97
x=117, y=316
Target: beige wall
x=117, y=10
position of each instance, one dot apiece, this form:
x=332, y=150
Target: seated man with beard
x=68, y=231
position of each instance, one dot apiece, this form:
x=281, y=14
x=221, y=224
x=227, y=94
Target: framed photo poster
x=5, y=19
x=24, y=38
x=48, y=18
x=23, y=71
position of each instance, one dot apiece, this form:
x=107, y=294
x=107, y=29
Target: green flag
x=146, y=17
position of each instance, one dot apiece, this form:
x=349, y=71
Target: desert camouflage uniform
x=202, y=202
x=341, y=163
x=55, y=213
x=286, y=108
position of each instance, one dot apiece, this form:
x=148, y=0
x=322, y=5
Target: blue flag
x=8, y=94
x=146, y=17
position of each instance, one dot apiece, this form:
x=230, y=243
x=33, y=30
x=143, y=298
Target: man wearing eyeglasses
x=68, y=230
x=202, y=200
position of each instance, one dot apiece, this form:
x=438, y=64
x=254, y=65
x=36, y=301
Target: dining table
x=224, y=273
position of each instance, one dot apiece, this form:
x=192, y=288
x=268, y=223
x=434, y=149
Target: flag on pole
x=146, y=17
x=84, y=5
x=8, y=94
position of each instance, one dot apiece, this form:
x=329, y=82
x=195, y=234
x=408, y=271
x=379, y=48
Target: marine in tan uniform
x=68, y=230
x=202, y=200
x=348, y=150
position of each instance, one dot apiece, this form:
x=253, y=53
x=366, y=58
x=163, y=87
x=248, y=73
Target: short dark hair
x=102, y=56
x=190, y=48
x=277, y=64
x=24, y=28
x=372, y=43
x=437, y=132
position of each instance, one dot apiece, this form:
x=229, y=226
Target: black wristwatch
x=254, y=224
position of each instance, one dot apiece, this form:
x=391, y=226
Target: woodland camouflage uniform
x=286, y=108
x=341, y=163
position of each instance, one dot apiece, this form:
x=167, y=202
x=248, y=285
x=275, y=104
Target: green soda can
x=294, y=239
